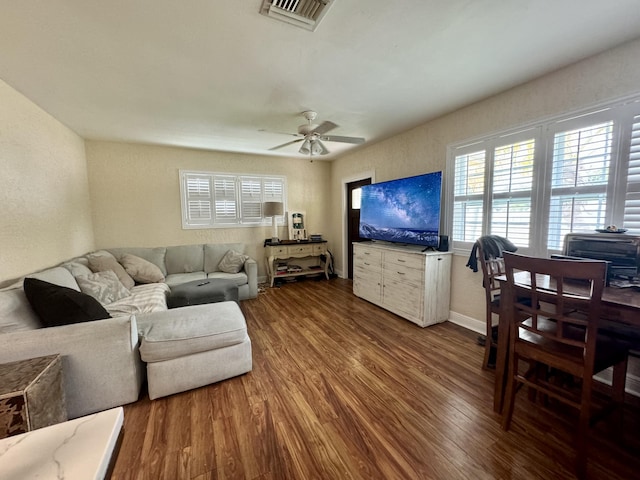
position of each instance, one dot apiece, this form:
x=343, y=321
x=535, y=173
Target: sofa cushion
x=213, y=253
x=184, y=331
x=58, y=276
x=78, y=267
x=56, y=305
x=155, y=255
x=103, y=286
x=179, y=278
x=184, y=259
x=238, y=278
x=232, y=262
x=15, y=312
x=141, y=270
x=103, y=263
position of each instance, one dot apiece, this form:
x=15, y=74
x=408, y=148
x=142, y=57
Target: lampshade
x=318, y=148
x=271, y=209
x=313, y=147
x=305, y=149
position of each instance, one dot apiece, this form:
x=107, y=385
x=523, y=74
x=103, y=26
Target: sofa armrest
x=101, y=363
x=251, y=269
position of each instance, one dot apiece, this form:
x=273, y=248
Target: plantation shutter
x=198, y=199
x=468, y=196
x=511, y=191
x=250, y=200
x=218, y=200
x=273, y=190
x=579, y=177
x=632, y=199
x=224, y=194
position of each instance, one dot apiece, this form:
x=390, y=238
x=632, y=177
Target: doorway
x=353, y=219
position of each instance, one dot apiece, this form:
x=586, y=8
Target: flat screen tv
x=406, y=210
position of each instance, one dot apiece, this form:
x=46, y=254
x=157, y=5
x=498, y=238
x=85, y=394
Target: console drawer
x=300, y=249
x=403, y=273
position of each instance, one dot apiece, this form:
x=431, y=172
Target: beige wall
x=132, y=198
x=45, y=213
x=613, y=74
x=135, y=194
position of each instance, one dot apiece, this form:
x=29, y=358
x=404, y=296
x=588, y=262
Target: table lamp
x=273, y=209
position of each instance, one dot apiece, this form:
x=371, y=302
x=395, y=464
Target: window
x=580, y=167
x=537, y=184
x=223, y=200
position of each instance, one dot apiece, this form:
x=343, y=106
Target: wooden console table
x=291, y=249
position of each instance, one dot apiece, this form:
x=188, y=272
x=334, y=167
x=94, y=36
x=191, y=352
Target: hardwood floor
x=341, y=389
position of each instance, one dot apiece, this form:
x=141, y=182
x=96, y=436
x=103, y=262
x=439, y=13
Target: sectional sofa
x=105, y=361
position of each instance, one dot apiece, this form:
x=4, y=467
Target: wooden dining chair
x=567, y=294
x=491, y=268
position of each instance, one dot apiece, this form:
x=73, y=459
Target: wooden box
x=31, y=395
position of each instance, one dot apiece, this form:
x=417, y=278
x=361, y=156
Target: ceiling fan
x=313, y=135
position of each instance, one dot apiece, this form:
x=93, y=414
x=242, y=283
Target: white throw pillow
x=232, y=262
x=103, y=286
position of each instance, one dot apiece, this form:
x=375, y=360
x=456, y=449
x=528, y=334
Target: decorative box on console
x=31, y=395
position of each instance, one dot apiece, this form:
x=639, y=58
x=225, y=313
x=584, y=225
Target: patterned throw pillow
x=103, y=286
x=141, y=270
x=232, y=262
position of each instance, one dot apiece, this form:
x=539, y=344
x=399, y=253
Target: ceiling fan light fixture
x=306, y=148
x=311, y=136
x=318, y=148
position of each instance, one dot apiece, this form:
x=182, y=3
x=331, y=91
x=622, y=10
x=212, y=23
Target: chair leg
x=487, y=353
x=510, y=394
x=583, y=429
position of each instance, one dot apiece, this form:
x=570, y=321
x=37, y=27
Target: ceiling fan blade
x=280, y=133
x=286, y=144
x=337, y=138
x=324, y=127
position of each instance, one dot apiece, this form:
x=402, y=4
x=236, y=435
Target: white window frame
x=621, y=112
x=230, y=200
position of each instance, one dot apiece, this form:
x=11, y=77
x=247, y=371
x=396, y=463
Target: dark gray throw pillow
x=55, y=305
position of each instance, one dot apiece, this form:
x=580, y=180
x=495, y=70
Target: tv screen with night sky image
x=406, y=210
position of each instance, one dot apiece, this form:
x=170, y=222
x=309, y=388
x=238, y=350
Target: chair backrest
x=491, y=268
x=563, y=293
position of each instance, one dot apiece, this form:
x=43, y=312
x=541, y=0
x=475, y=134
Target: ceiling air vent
x=301, y=13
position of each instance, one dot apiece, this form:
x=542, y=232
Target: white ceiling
x=217, y=75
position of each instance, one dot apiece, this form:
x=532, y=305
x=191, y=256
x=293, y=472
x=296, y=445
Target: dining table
x=619, y=306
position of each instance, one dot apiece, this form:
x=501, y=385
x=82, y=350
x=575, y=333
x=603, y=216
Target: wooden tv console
x=413, y=284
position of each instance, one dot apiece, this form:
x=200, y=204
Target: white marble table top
x=78, y=449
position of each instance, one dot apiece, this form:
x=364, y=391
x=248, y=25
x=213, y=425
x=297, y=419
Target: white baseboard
x=469, y=323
